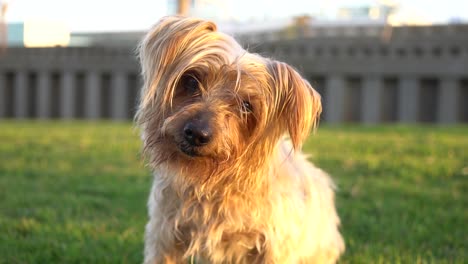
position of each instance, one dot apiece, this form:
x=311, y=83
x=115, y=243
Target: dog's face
x=208, y=103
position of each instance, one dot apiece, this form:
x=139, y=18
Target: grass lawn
x=76, y=192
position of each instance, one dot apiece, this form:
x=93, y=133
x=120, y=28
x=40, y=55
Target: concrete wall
x=370, y=75
x=377, y=74
x=88, y=83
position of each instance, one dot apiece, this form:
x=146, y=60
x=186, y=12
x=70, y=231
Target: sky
x=127, y=15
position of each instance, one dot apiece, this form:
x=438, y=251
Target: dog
x=222, y=130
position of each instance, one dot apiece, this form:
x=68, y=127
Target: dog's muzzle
x=196, y=133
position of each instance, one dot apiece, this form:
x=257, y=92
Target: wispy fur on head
x=176, y=46
x=216, y=189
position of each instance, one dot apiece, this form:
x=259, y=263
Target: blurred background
x=373, y=61
x=393, y=76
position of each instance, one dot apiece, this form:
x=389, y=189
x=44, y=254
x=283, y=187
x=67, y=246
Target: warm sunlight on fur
x=228, y=187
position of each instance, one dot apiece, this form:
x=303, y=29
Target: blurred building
x=37, y=33
x=15, y=35
x=106, y=39
x=366, y=69
x=209, y=9
x=378, y=73
x=365, y=73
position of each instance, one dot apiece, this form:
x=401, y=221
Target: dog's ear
x=297, y=103
x=169, y=41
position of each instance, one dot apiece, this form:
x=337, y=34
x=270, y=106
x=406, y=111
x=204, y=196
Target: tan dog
x=228, y=188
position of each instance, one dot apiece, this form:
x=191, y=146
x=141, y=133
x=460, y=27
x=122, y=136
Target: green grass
x=76, y=192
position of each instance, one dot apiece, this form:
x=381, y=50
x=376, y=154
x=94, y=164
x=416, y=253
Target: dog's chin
x=189, y=151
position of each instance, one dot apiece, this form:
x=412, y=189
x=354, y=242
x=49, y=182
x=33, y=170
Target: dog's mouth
x=189, y=150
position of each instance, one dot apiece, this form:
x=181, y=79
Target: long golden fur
x=247, y=195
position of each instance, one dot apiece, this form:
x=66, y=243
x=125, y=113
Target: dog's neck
x=238, y=180
x=215, y=211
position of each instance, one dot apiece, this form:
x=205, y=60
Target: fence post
x=43, y=95
x=68, y=95
x=408, y=107
x=20, y=101
x=448, y=101
x=335, y=88
x=3, y=94
x=93, y=95
x=119, y=95
x=372, y=90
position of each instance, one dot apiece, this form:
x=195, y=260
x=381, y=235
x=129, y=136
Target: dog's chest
x=230, y=236
x=232, y=247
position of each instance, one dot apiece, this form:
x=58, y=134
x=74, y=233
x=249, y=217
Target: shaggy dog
x=228, y=186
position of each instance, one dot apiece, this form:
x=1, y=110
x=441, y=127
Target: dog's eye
x=246, y=107
x=190, y=84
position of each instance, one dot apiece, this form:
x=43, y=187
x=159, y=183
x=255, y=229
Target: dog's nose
x=197, y=133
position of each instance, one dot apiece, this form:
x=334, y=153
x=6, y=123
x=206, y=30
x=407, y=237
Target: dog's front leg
x=165, y=259
x=160, y=248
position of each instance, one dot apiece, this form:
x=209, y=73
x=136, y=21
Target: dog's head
x=206, y=101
